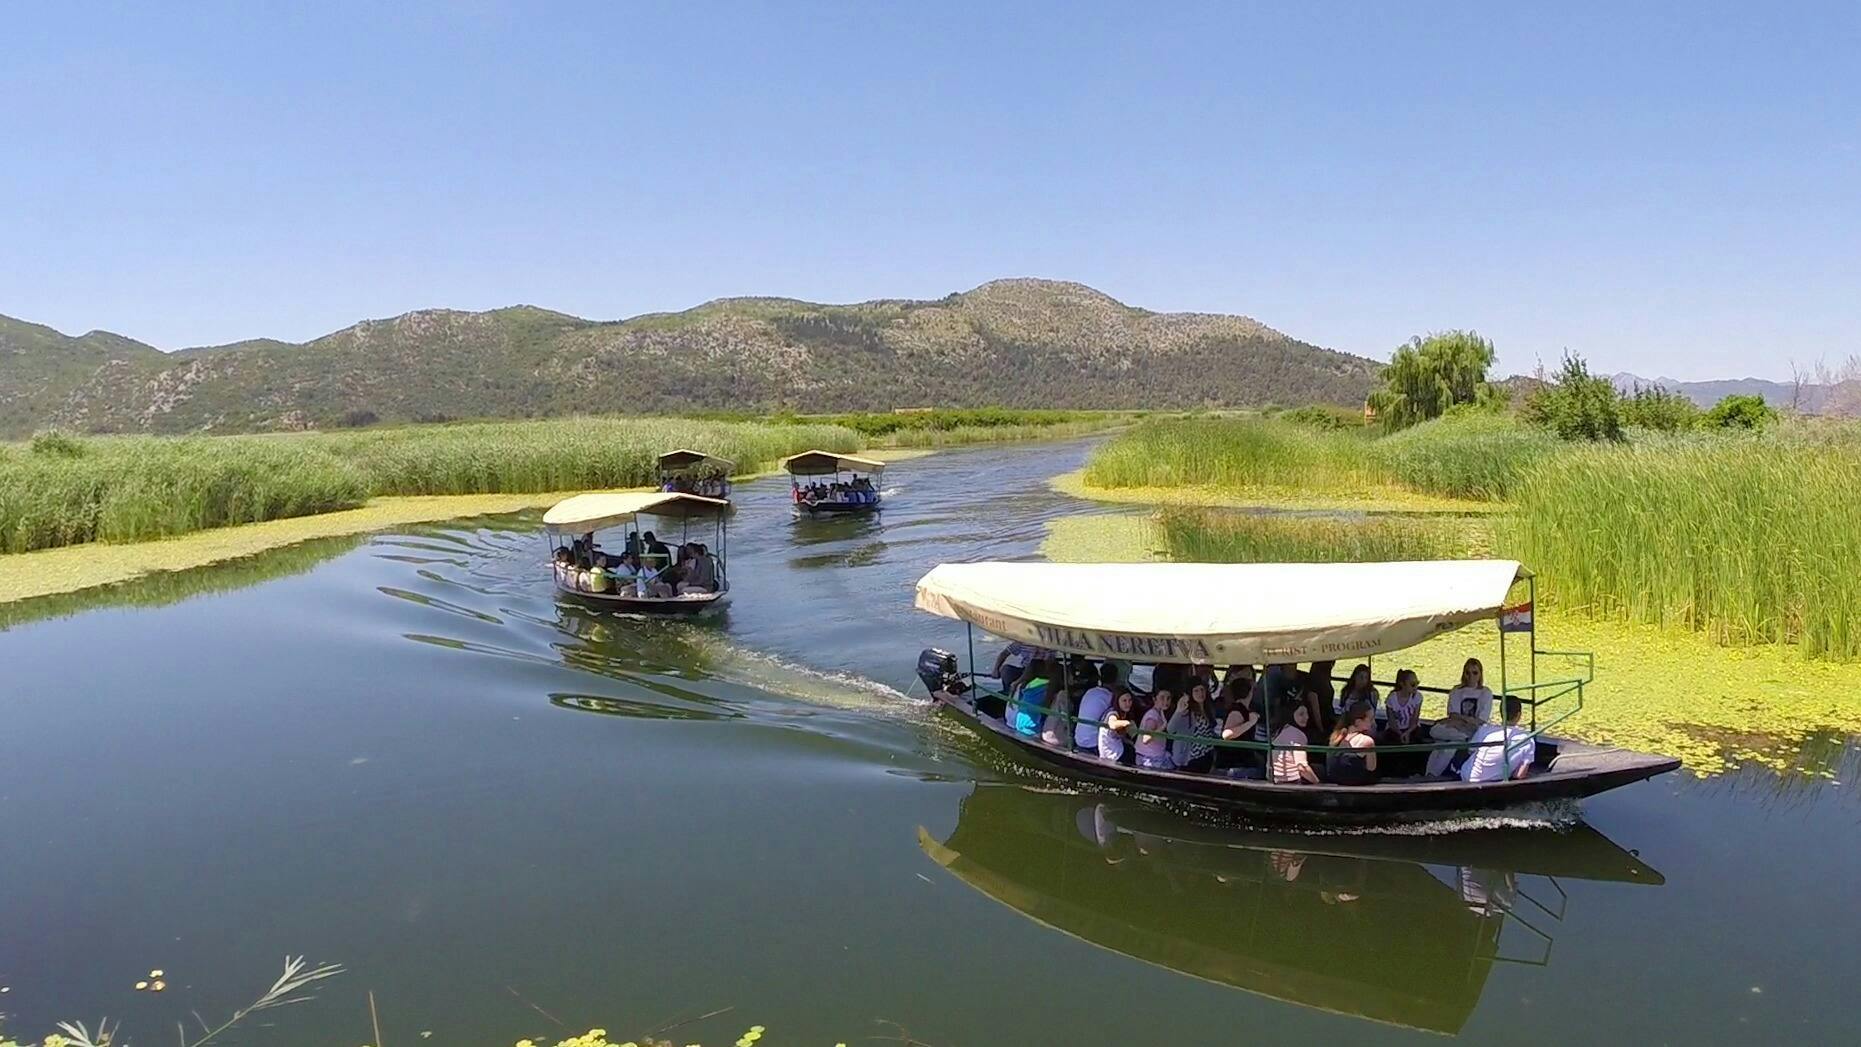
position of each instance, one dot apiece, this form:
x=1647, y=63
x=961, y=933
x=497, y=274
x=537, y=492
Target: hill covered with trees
x=1012, y=343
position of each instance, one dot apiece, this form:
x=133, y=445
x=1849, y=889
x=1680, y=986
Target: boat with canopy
x=670, y=578
x=1404, y=929
x=1192, y=614
x=685, y=471
x=828, y=483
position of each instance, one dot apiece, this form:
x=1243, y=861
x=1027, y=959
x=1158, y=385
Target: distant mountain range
x=1837, y=397
x=1015, y=343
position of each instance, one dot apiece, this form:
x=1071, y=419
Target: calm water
x=407, y=755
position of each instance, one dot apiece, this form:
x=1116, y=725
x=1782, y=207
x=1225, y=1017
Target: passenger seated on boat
x=597, y=575
x=1358, y=766
x=1402, y=719
x=1094, y=703
x=1501, y=751
x=1459, y=725
x=1473, y=685
x=1359, y=688
x=1153, y=750
x=656, y=552
x=1290, y=764
x=1028, y=708
x=1056, y=728
x=699, y=574
x=1322, y=694
x=625, y=571
x=1119, y=728
x=1237, y=726
x=1011, y=663
x=1237, y=689
x=1278, y=686
x=1192, y=717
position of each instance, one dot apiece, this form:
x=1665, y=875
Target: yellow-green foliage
x=598, y=1038
x=1476, y=455
x=117, y=489
x=1245, y=452
x=1753, y=539
x=1214, y=536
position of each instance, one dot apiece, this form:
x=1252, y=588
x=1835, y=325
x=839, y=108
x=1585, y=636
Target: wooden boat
x=694, y=472
x=1226, y=614
x=1398, y=928
x=573, y=525
x=854, y=487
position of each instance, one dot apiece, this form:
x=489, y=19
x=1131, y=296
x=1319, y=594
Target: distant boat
x=1192, y=614
x=854, y=486
x=665, y=584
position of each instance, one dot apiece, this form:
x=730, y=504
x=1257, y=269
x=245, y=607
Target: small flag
x=1516, y=619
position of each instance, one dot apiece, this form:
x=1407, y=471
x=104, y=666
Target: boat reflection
x=1390, y=928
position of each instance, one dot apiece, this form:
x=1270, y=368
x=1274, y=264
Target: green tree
x=1740, y=412
x=1577, y=405
x=1653, y=407
x=1429, y=375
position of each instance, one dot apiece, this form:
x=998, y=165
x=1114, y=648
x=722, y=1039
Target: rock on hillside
x=1017, y=343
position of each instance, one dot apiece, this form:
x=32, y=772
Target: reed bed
x=1216, y=536
x=1477, y=456
x=1752, y=539
x=62, y=490
x=1234, y=453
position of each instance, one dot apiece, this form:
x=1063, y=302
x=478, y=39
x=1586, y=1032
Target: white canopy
x=685, y=458
x=586, y=513
x=819, y=463
x=1220, y=613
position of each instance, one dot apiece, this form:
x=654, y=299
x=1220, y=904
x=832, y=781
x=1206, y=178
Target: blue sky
x=1667, y=189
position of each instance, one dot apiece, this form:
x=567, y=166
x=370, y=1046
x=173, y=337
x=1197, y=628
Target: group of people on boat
x=644, y=568
x=857, y=491
x=1177, y=723
x=717, y=486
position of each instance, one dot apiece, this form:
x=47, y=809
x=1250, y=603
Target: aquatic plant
x=1474, y=454
x=1751, y=538
x=289, y=989
x=134, y=488
x=1216, y=536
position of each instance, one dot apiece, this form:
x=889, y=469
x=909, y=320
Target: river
x=508, y=815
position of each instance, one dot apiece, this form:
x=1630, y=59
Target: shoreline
x=72, y=568
x=1385, y=501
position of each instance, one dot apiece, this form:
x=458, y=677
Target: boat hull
x=689, y=604
x=1577, y=771
x=837, y=508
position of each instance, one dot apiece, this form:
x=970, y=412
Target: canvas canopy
x=818, y=463
x=586, y=513
x=1220, y=613
x=684, y=458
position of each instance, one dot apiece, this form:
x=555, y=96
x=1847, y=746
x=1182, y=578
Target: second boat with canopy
x=1204, y=615
x=830, y=483
x=641, y=571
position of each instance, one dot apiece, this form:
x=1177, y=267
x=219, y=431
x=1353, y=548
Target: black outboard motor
x=937, y=668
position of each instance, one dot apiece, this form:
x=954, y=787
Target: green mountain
x=1014, y=343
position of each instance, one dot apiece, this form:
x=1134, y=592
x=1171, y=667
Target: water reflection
x=1396, y=929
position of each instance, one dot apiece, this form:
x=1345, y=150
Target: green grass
x=1750, y=539
x=1215, y=536
x=66, y=491
x=1475, y=456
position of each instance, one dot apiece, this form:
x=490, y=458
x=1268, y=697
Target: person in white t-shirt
x=1093, y=706
x=1472, y=685
x=1508, y=750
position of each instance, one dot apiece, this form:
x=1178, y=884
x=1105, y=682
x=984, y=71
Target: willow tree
x=1429, y=375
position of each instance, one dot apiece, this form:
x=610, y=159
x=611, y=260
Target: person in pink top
x=1153, y=750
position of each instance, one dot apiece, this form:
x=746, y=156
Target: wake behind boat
x=1078, y=624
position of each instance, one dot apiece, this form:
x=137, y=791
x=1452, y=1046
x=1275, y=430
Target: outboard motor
x=937, y=668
